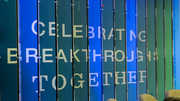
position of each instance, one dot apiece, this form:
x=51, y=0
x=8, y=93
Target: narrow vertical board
x=120, y=46
x=95, y=42
x=8, y=51
x=28, y=49
x=168, y=45
x=47, y=49
x=141, y=44
x=131, y=49
x=160, y=50
x=108, y=44
x=80, y=51
x=64, y=50
x=176, y=42
x=151, y=65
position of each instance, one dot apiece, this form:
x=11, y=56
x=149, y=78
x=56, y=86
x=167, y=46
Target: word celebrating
x=79, y=32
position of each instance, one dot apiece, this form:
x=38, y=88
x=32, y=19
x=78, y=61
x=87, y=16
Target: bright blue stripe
x=28, y=14
x=95, y=45
x=131, y=47
x=176, y=42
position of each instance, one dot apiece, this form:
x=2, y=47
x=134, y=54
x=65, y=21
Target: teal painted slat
x=80, y=50
x=64, y=49
x=108, y=51
x=120, y=51
x=47, y=49
x=141, y=44
x=8, y=51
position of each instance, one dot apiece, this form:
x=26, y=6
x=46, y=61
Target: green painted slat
x=120, y=47
x=141, y=44
x=108, y=44
x=80, y=45
x=168, y=45
x=160, y=50
x=8, y=51
x=64, y=49
x=151, y=67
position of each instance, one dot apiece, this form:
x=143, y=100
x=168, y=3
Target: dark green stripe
x=160, y=50
x=168, y=45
